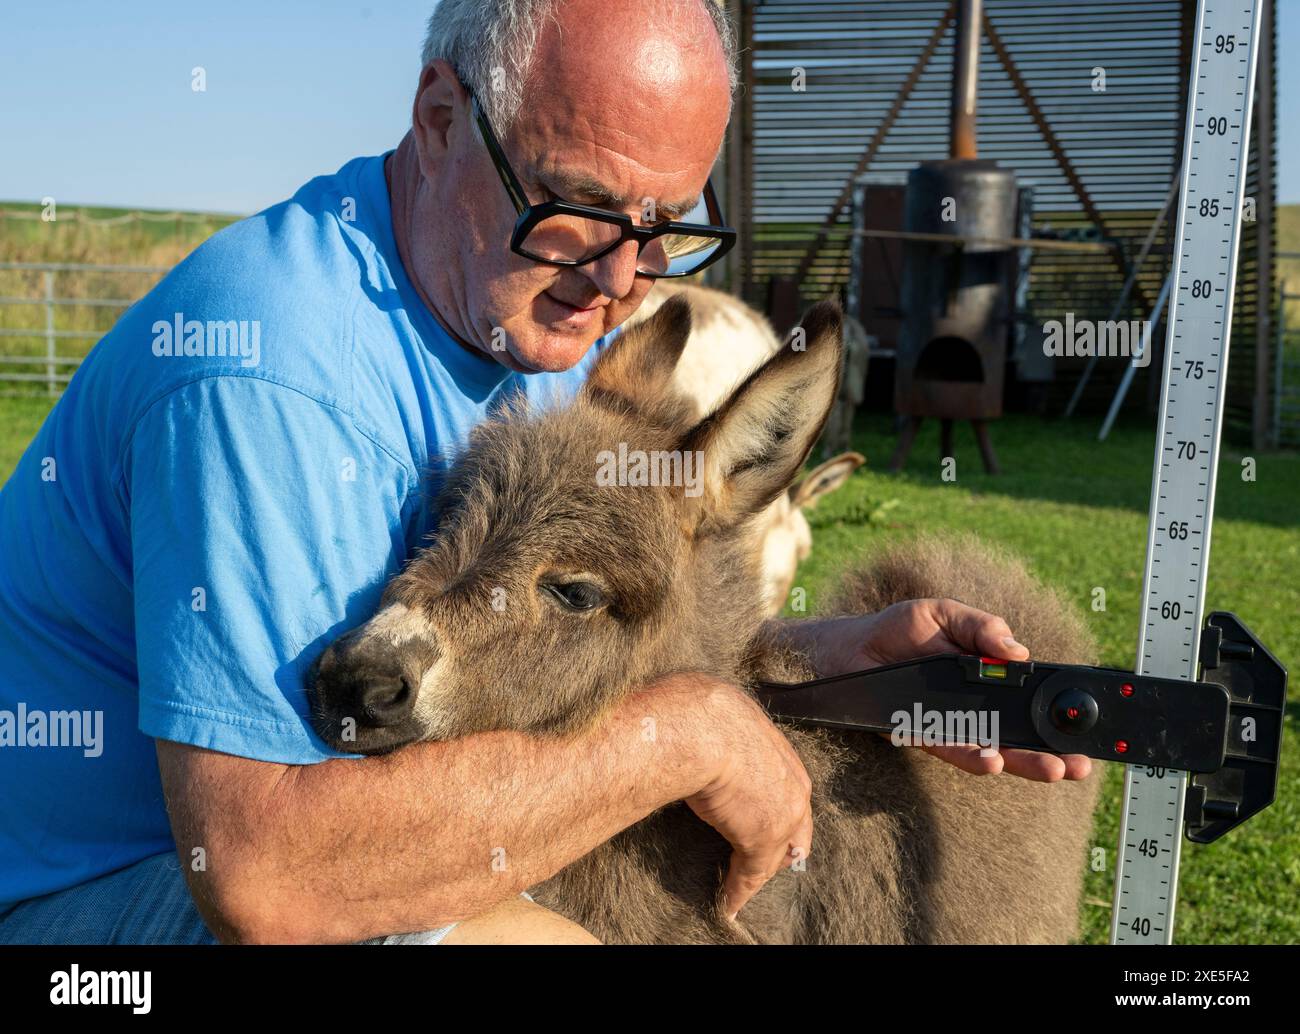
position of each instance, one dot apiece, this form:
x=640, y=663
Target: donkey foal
x=545, y=598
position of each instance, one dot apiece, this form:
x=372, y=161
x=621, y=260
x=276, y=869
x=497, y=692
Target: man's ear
x=437, y=98
x=635, y=371
x=825, y=478
x=755, y=444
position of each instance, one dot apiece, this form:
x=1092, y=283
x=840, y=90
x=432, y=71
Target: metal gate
x=52, y=313
x=1286, y=377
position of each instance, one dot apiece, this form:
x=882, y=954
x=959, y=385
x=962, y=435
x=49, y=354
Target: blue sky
x=96, y=105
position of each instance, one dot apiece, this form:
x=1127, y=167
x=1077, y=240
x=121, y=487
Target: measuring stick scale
x=1216, y=149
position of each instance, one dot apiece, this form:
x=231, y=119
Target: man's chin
x=553, y=349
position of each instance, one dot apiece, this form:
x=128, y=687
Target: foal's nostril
x=386, y=700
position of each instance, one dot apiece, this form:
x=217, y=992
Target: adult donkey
x=546, y=596
x=729, y=340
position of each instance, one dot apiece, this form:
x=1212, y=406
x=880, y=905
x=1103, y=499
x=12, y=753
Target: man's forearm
x=437, y=832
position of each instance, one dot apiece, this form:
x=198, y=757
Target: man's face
x=620, y=117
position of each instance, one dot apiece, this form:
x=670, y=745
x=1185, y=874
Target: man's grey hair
x=490, y=43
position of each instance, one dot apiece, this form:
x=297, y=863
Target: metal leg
x=1131, y=369
x=986, y=447
x=905, y=441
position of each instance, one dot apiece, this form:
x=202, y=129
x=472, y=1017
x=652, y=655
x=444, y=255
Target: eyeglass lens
x=573, y=238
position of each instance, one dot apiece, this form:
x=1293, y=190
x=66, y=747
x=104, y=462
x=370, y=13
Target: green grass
x=20, y=418
x=1076, y=511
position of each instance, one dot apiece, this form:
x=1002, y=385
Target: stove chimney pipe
x=965, y=79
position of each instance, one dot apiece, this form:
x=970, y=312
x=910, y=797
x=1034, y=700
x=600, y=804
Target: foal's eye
x=576, y=595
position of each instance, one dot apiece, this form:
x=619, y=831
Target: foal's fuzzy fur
x=476, y=634
x=906, y=848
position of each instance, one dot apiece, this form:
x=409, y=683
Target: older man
x=240, y=465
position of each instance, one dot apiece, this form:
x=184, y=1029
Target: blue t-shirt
x=229, y=480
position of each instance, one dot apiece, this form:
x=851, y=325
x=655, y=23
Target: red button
x=1121, y=746
x=1126, y=689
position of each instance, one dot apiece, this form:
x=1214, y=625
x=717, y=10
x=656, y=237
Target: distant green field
x=82, y=233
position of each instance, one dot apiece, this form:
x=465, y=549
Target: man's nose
x=615, y=273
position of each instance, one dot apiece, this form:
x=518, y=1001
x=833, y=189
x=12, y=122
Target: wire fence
x=1286, y=377
x=52, y=313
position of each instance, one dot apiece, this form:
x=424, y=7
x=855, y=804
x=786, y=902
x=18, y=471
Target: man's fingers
x=1027, y=764
x=1047, y=768
x=747, y=873
x=1041, y=768
x=739, y=886
x=966, y=757
x=980, y=631
x=802, y=841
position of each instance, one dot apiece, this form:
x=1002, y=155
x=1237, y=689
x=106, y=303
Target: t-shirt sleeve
x=263, y=525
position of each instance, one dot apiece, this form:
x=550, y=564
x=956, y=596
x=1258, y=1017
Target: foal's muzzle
x=364, y=690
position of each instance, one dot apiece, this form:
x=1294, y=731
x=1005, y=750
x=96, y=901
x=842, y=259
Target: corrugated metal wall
x=874, y=98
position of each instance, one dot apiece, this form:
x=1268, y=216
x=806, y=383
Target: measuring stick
x=1215, y=152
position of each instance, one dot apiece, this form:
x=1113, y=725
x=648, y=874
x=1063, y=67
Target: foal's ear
x=636, y=368
x=755, y=444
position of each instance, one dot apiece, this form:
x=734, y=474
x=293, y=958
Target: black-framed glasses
x=561, y=233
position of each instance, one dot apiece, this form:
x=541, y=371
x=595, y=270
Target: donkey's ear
x=756, y=443
x=636, y=369
x=825, y=478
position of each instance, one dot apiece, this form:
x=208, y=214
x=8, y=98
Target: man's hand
x=761, y=798
x=918, y=628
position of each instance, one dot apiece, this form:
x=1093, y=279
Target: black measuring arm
x=1226, y=730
